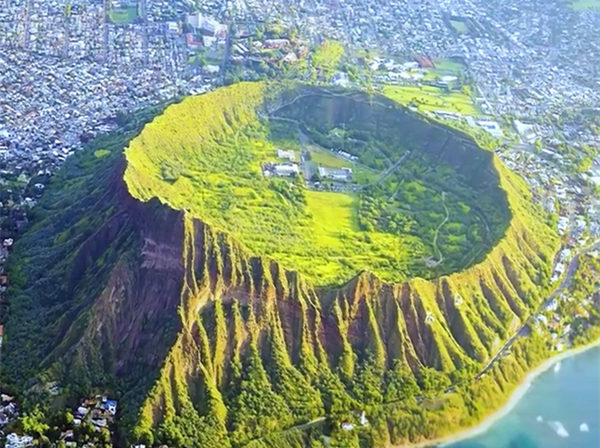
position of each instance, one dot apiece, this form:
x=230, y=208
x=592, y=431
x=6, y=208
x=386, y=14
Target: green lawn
x=101, y=153
x=122, y=16
x=429, y=98
x=582, y=5
x=360, y=173
x=448, y=67
x=328, y=159
x=459, y=26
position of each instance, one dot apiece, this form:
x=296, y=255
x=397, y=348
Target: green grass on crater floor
x=205, y=155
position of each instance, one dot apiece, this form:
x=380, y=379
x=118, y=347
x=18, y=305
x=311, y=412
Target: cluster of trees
x=326, y=58
x=291, y=191
x=375, y=213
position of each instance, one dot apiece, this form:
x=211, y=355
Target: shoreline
x=517, y=394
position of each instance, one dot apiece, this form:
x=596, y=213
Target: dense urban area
x=522, y=76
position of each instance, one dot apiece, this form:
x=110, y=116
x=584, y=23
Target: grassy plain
x=122, y=16
x=430, y=98
x=448, y=67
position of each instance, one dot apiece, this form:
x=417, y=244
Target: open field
x=124, y=15
x=429, y=98
x=328, y=159
x=582, y=5
x=360, y=173
x=459, y=26
x=448, y=67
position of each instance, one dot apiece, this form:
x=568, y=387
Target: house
x=13, y=440
x=211, y=69
x=110, y=406
x=273, y=44
x=290, y=58
x=67, y=435
x=348, y=156
x=100, y=422
x=552, y=305
x=425, y=62
x=340, y=79
x=287, y=169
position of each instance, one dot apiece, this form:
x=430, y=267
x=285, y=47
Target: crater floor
x=329, y=183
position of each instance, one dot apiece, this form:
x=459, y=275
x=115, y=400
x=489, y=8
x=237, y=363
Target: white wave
x=557, y=367
x=584, y=427
x=539, y=418
x=559, y=428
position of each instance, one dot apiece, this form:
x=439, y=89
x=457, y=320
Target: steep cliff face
x=234, y=306
x=210, y=346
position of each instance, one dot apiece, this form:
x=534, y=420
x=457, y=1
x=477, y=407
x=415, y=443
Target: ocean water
x=561, y=409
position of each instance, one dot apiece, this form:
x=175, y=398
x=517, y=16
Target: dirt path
x=437, y=231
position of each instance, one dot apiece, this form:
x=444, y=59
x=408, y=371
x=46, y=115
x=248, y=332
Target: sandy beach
x=515, y=397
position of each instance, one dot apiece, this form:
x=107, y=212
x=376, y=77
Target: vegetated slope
x=209, y=346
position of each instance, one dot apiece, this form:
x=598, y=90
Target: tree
x=327, y=57
x=432, y=381
x=585, y=165
x=400, y=383
x=34, y=423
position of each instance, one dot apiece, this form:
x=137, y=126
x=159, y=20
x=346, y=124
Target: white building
x=206, y=24
x=286, y=169
x=339, y=175
x=286, y=154
x=13, y=440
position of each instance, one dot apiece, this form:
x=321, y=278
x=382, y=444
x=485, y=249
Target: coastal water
x=561, y=409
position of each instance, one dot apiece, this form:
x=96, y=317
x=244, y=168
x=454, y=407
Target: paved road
x=391, y=169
